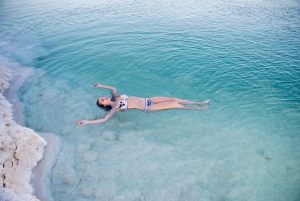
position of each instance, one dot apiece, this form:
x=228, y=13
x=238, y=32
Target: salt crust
x=15, y=82
x=20, y=150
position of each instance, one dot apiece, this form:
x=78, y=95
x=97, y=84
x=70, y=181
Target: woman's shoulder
x=118, y=99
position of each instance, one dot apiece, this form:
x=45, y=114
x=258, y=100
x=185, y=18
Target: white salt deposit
x=19, y=75
x=20, y=150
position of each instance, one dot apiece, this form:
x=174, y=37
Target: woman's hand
x=97, y=85
x=82, y=123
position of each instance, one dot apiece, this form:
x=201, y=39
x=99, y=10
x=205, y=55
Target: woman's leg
x=183, y=102
x=172, y=105
x=156, y=100
x=186, y=102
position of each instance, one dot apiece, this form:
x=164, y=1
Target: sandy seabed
x=21, y=148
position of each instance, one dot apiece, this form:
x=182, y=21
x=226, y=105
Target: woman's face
x=105, y=101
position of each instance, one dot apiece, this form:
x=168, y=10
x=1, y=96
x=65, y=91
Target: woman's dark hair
x=105, y=108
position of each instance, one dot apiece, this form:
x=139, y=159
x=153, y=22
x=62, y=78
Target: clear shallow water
x=244, y=56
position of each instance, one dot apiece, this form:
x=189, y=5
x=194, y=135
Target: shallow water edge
x=40, y=179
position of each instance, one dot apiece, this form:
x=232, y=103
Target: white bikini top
x=123, y=103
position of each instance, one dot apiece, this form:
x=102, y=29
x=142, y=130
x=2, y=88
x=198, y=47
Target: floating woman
x=121, y=103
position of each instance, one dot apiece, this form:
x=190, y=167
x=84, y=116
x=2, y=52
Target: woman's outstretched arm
x=108, y=116
x=113, y=90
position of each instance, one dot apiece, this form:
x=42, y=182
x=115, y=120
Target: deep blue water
x=243, y=55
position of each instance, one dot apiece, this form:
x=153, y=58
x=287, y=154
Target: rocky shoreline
x=20, y=149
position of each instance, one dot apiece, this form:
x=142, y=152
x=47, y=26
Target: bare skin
x=160, y=104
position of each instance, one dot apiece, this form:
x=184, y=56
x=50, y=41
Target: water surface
x=243, y=55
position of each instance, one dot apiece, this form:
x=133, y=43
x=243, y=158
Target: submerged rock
x=110, y=135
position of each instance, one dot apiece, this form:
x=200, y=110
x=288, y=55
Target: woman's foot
x=207, y=101
x=204, y=102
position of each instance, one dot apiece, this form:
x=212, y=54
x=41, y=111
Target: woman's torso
x=132, y=103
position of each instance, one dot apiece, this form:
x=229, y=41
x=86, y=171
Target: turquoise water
x=243, y=55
